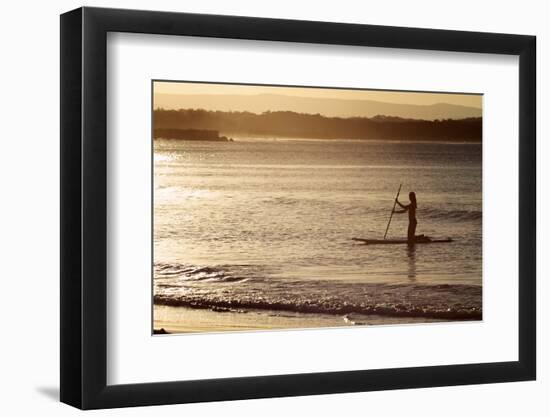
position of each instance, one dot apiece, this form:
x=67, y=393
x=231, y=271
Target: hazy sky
x=470, y=100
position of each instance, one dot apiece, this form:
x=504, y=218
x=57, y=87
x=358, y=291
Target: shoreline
x=238, y=137
x=178, y=320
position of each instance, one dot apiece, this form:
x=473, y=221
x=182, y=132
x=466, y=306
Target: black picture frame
x=84, y=207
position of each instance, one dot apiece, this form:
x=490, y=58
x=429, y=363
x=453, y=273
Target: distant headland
x=199, y=124
x=190, y=134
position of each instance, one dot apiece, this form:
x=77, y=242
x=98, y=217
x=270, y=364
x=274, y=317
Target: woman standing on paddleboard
x=411, y=208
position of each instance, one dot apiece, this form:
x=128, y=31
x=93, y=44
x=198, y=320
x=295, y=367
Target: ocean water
x=267, y=225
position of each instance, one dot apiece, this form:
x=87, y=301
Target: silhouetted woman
x=411, y=208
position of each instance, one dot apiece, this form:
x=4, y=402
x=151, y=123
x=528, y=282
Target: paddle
x=392, y=210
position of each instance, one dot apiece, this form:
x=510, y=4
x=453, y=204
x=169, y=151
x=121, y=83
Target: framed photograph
x=257, y=208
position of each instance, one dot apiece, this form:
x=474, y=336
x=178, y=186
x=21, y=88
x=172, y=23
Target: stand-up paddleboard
x=423, y=240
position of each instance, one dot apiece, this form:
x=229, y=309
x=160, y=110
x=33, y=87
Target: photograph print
x=283, y=207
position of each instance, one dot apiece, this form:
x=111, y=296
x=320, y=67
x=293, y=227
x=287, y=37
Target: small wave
x=285, y=201
x=456, y=215
x=181, y=272
x=446, y=302
x=381, y=309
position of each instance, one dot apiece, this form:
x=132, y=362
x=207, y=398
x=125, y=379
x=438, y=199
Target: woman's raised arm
x=402, y=206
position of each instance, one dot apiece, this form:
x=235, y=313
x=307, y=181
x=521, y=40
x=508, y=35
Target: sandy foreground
x=188, y=320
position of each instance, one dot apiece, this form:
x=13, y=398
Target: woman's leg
x=411, y=231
